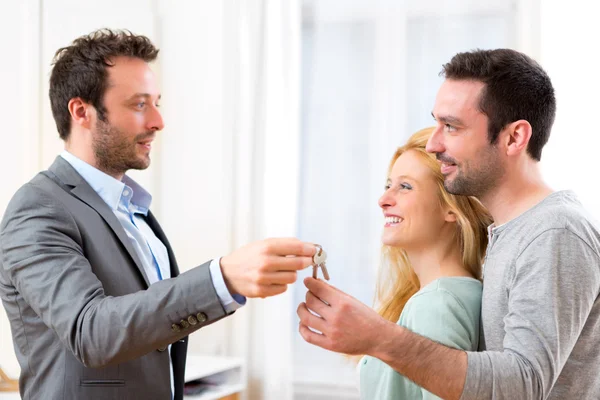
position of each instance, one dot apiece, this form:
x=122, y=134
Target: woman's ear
x=450, y=216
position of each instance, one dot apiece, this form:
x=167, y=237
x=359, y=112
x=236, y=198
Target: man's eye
x=449, y=128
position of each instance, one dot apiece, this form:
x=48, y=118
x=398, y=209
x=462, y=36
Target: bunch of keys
x=319, y=262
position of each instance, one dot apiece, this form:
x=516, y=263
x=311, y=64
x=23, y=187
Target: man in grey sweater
x=540, y=335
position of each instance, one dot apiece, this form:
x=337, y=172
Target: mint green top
x=446, y=310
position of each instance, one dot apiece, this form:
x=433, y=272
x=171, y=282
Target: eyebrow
x=389, y=180
x=146, y=95
x=447, y=119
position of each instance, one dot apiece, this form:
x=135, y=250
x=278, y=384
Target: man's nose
x=156, y=122
x=435, y=144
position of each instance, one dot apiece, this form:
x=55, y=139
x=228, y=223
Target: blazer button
x=201, y=317
x=162, y=348
x=175, y=328
x=192, y=320
x=184, y=324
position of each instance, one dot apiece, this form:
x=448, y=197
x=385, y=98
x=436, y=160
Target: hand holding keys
x=319, y=262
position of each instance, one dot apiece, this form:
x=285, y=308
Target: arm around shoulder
x=422, y=353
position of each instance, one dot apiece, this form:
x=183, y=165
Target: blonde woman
x=433, y=247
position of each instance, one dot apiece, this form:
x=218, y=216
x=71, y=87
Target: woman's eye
x=405, y=186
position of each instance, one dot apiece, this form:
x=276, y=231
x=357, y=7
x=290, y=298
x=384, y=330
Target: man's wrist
x=389, y=337
x=224, y=270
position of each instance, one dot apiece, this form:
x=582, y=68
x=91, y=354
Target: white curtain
x=19, y=152
x=569, y=37
x=263, y=97
x=370, y=75
x=227, y=158
x=30, y=33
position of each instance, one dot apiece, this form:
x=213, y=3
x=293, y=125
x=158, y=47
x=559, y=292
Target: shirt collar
x=108, y=188
x=141, y=198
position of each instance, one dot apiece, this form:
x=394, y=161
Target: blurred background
x=284, y=114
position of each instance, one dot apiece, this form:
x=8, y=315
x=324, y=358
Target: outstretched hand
x=266, y=267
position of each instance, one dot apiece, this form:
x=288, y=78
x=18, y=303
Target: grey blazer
x=85, y=323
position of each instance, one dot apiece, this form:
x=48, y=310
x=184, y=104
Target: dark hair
x=516, y=87
x=80, y=70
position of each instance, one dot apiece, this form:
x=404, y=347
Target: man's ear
x=81, y=112
x=518, y=134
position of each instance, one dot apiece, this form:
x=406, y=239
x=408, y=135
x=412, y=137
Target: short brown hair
x=80, y=70
x=516, y=87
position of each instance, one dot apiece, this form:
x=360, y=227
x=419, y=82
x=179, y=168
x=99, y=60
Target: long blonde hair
x=397, y=281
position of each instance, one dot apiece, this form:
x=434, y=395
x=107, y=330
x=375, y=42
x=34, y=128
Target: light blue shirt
x=130, y=204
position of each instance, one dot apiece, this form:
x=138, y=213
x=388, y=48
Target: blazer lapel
x=84, y=192
x=155, y=226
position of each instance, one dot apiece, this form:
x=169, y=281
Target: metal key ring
x=317, y=253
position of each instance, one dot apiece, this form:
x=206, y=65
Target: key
x=315, y=271
x=324, y=270
x=319, y=262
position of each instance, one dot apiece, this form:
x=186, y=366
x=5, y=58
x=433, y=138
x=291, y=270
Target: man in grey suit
x=89, y=282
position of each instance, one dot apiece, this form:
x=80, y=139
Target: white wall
x=570, y=33
x=19, y=105
x=195, y=177
x=191, y=170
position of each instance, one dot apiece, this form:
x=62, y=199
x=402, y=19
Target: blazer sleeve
x=42, y=257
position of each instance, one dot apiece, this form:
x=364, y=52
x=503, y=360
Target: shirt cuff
x=230, y=303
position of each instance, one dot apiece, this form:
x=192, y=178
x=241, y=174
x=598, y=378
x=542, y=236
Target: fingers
x=321, y=289
x=316, y=305
x=262, y=291
x=289, y=263
x=309, y=319
x=270, y=290
x=289, y=247
x=312, y=337
x=276, y=264
x=277, y=278
x=265, y=268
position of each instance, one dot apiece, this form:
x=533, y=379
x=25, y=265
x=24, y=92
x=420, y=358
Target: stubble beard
x=476, y=179
x=114, y=154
